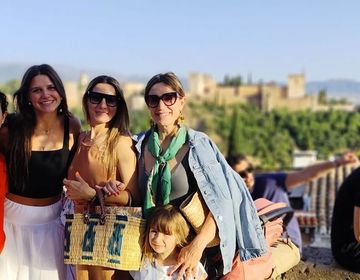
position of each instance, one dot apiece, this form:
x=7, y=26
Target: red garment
x=3, y=191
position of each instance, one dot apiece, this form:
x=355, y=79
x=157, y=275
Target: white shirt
x=159, y=272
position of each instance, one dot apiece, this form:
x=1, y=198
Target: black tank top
x=47, y=169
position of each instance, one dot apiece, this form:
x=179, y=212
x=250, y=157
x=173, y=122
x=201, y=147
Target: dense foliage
x=272, y=137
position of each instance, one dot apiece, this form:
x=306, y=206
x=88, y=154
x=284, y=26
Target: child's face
x=163, y=244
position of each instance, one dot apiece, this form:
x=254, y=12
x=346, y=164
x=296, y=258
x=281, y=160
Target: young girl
x=166, y=233
x=3, y=174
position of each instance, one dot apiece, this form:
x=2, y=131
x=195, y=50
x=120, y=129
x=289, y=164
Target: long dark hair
x=118, y=125
x=23, y=123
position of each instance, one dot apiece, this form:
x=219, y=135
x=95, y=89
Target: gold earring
x=181, y=119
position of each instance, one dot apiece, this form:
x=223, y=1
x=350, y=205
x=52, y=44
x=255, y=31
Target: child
x=166, y=233
x=3, y=174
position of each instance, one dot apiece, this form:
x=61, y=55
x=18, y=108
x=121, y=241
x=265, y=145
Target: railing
x=319, y=197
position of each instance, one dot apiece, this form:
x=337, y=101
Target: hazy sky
x=268, y=39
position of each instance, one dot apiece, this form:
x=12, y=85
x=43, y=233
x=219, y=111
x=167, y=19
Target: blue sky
x=268, y=39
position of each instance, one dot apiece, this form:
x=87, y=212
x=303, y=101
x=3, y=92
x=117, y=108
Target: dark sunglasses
x=168, y=99
x=97, y=97
x=246, y=171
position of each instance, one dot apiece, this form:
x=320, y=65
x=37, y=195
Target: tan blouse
x=88, y=161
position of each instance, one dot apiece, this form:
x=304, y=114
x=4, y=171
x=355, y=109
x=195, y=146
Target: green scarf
x=160, y=175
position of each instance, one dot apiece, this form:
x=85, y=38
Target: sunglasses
x=246, y=171
x=97, y=97
x=168, y=99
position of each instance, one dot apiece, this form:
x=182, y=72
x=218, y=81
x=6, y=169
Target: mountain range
x=335, y=88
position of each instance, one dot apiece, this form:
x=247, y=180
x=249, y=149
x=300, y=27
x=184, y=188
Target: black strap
x=66, y=132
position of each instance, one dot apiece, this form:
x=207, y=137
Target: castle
x=266, y=96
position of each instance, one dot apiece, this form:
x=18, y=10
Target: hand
x=188, y=260
x=78, y=189
x=347, y=158
x=112, y=187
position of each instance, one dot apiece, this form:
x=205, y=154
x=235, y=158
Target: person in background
x=105, y=157
x=176, y=161
x=3, y=172
x=275, y=186
x=37, y=144
x=167, y=232
x=345, y=228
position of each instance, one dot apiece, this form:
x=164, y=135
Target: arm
x=190, y=255
x=357, y=223
x=297, y=178
x=127, y=168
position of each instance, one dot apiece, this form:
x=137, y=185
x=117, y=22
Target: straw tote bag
x=107, y=236
x=195, y=211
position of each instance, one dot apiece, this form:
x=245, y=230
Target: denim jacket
x=226, y=196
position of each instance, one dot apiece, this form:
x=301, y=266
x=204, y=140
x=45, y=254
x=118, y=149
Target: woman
x=105, y=157
x=39, y=138
x=345, y=228
x=176, y=161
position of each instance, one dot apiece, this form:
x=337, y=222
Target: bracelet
x=93, y=199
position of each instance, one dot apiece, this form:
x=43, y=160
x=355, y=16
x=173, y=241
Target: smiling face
x=43, y=96
x=163, y=115
x=162, y=244
x=101, y=113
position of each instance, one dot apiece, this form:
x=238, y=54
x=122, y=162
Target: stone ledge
x=318, y=264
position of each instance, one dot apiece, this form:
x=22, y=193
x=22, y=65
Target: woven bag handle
x=101, y=200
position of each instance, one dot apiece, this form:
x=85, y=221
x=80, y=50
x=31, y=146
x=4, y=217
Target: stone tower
x=296, y=86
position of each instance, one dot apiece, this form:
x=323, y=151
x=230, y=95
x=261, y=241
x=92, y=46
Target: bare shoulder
x=126, y=147
x=74, y=127
x=126, y=141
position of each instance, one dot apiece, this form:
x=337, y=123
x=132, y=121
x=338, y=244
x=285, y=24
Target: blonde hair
x=168, y=220
x=169, y=79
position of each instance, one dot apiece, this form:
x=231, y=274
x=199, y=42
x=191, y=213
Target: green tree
x=322, y=97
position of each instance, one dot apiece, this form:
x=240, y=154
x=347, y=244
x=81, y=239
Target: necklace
x=43, y=131
x=88, y=141
x=43, y=137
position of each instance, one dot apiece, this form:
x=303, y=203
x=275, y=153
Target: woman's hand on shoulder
x=78, y=189
x=188, y=260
